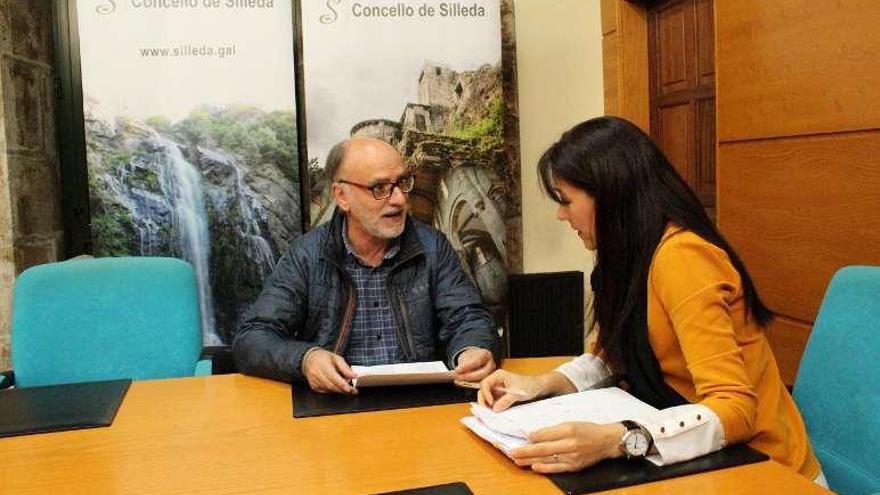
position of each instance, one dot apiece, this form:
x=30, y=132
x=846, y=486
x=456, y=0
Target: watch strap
x=631, y=425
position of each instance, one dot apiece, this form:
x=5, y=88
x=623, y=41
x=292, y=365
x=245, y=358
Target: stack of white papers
x=509, y=429
x=402, y=374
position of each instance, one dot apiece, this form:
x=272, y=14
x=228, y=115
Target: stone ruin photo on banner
x=427, y=77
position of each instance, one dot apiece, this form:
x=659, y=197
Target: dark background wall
x=30, y=202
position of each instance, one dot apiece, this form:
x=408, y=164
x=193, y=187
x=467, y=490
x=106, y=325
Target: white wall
x=559, y=71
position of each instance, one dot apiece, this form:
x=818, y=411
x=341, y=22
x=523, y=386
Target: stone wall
x=384, y=129
x=31, y=230
x=424, y=118
x=510, y=93
x=437, y=86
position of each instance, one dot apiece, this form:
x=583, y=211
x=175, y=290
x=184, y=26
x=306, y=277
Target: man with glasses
x=372, y=286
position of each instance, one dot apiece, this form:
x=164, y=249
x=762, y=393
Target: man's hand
x=328, y=372
x=474, y=364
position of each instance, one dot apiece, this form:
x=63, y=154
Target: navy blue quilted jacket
x=309, y=300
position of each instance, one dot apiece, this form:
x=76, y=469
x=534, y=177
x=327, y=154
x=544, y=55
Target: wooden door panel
x=705, y=163
x=705, y=41
x=675, y=48
x=676, y=138
x=681, y=53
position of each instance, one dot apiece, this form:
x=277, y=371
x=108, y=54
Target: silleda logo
x=330, y=17
x=106, y=8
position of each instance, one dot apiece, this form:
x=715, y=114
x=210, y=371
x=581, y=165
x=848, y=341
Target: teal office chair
x=106, y=318
x=838, y=384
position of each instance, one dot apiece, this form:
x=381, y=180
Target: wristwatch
x=636, y=440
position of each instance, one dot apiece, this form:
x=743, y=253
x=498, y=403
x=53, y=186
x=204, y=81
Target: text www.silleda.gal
x=187, y=50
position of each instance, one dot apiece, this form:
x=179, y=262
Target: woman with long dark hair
x=679, y=323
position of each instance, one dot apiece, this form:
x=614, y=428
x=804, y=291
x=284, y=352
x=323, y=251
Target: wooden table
x=234, y=434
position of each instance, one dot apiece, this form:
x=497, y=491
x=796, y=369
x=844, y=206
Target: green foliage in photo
x=160, y=123
x=111, y=229
x=258, y=137
x=489, y=131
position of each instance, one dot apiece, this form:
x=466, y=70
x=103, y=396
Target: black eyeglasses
x=384, y=190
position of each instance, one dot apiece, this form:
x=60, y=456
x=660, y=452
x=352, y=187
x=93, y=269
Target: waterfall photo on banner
x=427, y=77
x=191, y=140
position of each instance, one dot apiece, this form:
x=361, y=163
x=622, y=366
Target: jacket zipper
x=404, y=333
x=347, y=317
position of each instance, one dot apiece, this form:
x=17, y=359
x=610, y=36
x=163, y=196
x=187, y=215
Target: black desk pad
x=457, y=488
x=307, y=403
x=29, y=410
x=617, y=473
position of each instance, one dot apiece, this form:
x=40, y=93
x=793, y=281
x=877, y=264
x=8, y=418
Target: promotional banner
x=426, y=76
x=190, y=129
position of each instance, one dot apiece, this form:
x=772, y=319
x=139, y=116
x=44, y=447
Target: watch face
x=636, y=443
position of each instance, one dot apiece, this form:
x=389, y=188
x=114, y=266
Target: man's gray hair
x=334, y=159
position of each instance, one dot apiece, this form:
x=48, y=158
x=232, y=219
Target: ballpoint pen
x=512, y=391
x=476, y=385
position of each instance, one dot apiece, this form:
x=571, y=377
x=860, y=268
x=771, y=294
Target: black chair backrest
x=222, y=362
x=546, y=314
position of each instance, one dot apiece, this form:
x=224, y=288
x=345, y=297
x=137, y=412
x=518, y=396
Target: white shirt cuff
x=585, y=372
x=683, y=432
x=680, y=433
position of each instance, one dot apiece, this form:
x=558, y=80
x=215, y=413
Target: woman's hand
x=570, y=447
x=503, y=389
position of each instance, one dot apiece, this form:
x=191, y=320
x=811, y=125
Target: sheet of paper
x=605, y=405
x=402, y=374
x=502, y=442
x=401, y=368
